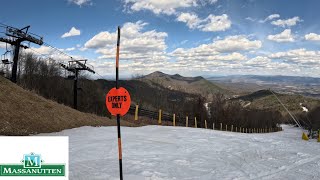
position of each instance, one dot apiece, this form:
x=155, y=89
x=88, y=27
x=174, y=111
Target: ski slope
x=160, y=152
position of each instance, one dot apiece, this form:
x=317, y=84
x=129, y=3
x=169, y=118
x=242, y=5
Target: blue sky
x=189, y=37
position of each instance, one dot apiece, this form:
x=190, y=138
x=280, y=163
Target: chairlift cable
x=59, y=62
x=295, y=120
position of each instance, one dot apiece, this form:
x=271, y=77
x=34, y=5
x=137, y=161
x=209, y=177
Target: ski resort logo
x=32, y=160
x=32, y=165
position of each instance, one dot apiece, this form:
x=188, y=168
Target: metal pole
x=118, y=115
x=75, y=90
x=15, y=61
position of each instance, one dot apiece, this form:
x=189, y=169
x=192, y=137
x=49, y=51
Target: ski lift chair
x=5, y=63
x=4, y=59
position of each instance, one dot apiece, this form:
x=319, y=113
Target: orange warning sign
x=118, y=101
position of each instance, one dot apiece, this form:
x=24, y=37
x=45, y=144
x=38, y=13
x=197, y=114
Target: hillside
x=23, y=112
x=264, y=99
x=192, y=85
x=255, y=95
x=149, y=96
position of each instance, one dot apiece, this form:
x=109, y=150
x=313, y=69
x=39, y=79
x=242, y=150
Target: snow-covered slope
x=157, y=152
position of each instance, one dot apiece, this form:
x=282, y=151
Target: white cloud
x=258, y=61
x=250, y=19
x=222, y=55
x=212, y=23
x=265, y=66
x=80, y=2
x=212, y=1
x=287, y=22
x=284, y=36
x=312, y=37
x=221, y=63
x=191, y=20
x=216, y=23
x=83, y=49
x=235, y=56
x=236, y=43
x=73, y=32
x=168, y=7
x=193, y=57
x=101, y=40
x=270, y=17
x=300, y=56
x=136, y=45
x=44, y=50
x=70, y=49
x=225, y=49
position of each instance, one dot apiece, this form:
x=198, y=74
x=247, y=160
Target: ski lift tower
x=74, y=67
x=16, y=37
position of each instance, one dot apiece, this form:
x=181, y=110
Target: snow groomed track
x=159, y=152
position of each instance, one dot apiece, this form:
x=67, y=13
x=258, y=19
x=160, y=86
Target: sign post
x=118, y=103
x=118, y=115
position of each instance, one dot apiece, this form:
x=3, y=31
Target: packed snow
x=163, y=152
x=304, y=109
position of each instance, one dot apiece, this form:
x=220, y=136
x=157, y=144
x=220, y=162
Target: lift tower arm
x=19, y=35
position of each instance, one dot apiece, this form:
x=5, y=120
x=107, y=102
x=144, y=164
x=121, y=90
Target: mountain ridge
x=194, y=85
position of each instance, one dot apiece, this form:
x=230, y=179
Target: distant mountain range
x=192, y=85
x=307, y=86
x=269, y=79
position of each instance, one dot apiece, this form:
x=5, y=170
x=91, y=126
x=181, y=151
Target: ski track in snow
x=162, y=152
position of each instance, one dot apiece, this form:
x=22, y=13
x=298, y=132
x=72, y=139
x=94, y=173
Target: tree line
x=46, y=77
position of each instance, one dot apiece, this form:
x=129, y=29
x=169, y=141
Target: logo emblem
x=32, y=165
x=32, y=160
